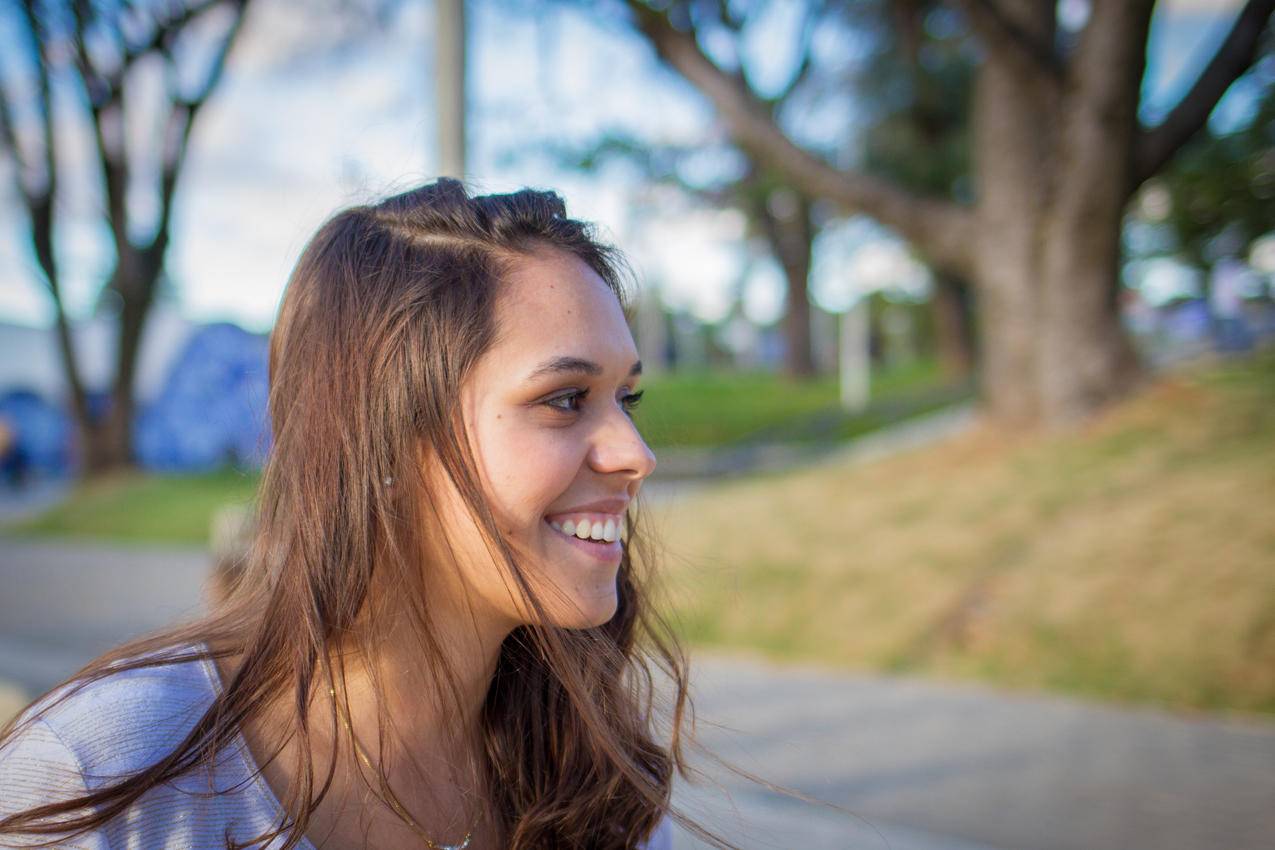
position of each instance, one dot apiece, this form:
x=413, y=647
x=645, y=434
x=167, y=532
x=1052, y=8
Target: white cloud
x=695, y=260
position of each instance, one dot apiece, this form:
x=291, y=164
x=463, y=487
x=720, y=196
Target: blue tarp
x=44, y=433
x=212, y=408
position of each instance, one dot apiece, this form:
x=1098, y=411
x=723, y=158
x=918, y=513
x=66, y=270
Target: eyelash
x=629, y=401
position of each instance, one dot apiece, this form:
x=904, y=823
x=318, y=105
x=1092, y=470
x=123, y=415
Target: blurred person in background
x=14, y=462
x=439, y=635
x=1227, y=286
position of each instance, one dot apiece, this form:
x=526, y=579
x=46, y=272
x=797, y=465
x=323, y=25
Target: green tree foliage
x=1221, y=188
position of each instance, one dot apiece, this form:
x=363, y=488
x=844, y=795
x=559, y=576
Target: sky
x=307, y=120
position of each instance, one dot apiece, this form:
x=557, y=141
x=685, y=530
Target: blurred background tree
x=914, y=93
x=909, y=95
x=104, y=68
x=779, y=216
x=1057, y=152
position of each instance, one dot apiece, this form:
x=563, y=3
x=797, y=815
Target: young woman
x=441, y=636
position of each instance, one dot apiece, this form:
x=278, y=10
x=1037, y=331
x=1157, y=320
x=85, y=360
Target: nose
x=618, y=447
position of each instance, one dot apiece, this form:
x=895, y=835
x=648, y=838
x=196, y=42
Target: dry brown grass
x=1132, y=559
x=12, y=701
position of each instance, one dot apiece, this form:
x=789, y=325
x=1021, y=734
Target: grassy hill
x=1132, y=560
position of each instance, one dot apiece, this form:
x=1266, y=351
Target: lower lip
x=596, y=549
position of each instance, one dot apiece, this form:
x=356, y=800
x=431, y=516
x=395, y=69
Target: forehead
x=553, y=303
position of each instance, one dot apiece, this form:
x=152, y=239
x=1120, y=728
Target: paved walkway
x=35, y=497
x=922, y=766
x=64, y=603
x=980, y=768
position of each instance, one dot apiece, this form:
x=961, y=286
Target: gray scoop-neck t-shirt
x=118, y=725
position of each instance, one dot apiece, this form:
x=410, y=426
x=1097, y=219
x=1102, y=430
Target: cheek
x=530, y=468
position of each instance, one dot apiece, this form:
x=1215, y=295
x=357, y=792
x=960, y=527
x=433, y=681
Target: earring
x=389, y=481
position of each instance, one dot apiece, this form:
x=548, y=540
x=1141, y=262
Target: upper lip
x=601, y=506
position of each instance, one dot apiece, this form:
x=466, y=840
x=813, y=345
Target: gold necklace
x=391, y=798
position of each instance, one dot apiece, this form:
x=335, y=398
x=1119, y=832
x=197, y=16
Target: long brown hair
x=388, y=309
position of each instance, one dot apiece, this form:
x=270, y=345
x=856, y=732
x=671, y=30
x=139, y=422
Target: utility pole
x=449, y=76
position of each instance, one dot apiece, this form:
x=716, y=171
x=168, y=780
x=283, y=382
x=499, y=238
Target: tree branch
x=39, y=200
x=181, y=122
x=106, y=114
x=939, y=229
x=807, y=54
x=39, y=203
x=1154, y=147
x=218, y=64
x=129, y=54
x=1003, y=36
x=9, y=141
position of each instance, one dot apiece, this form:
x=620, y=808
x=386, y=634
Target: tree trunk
x=1086, y=359
x=1012, y=133
x=953, y=318
x=136, y=278
x=790, y=233
x=1055, y=162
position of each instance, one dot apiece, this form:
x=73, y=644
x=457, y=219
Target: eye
x=570, y=402
x=573, y=398
x=632, y=400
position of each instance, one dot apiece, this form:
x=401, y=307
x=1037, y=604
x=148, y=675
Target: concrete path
x=922, y=766
x=32, y=499
x=980, y=768
x=61, y=603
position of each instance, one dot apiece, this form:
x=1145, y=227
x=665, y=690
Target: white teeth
x=608, y=530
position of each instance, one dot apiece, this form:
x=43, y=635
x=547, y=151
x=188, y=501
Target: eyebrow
x=575, y=365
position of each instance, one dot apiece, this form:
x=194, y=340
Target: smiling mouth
x=601, y=549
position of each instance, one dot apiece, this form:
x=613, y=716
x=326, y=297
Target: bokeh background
x=957, y=323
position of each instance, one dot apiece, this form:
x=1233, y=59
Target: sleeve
x=36, y=767
x=662, y=838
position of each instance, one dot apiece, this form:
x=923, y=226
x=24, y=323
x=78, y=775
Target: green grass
x=1132, y=559
x=716, y=409
x=144, y=508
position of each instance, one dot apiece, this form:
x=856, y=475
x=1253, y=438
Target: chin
x=590, y=613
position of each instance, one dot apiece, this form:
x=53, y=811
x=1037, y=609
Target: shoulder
x=85, y=735
x=79, y=739
x=38, y=769
x=124, y=721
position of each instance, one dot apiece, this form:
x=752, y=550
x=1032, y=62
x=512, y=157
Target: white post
x=652, y=334
x=449, y=80
x=855, y=357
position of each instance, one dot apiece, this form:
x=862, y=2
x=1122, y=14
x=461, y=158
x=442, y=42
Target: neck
x=432, y=695
x=431, y=743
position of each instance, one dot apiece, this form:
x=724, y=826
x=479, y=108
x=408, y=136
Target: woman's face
x=547, y=411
